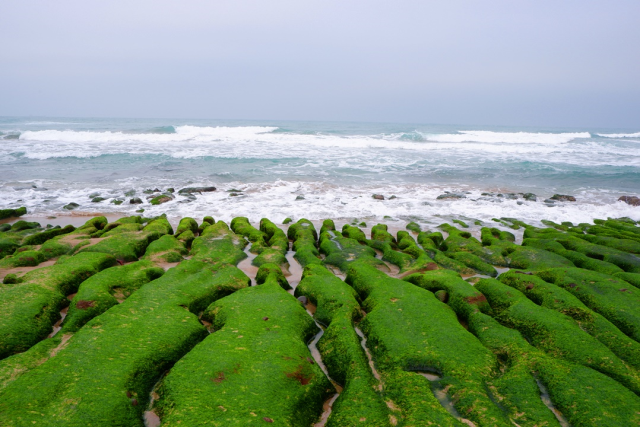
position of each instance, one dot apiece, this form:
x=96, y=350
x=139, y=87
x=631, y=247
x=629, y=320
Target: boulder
x=10, y=213
x=164, y=198
x=135, y=201
x=452, y=196
x=97, y=199
x=563, y=198
x=188, y=190
x=378, y=196
x=630, y=200
x=530, y=197
x=71, y=206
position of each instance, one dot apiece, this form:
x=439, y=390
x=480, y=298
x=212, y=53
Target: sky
x=513, y=62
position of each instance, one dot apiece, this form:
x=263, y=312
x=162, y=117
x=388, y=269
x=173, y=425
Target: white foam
x=359, y=150
x=277, y=200
x=620, y=135
x=508, y=137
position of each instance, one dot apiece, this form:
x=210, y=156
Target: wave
x=507, y=137
x=620, y=135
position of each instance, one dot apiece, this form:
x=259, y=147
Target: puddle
x=546, y=399
x=58, y=325
x=167, y=265
x=501, y=270
x=245, y=264
x=393, y=270
x=444, y=399
x=363, y=343
x=311, y=308
x=326, y=410
x=151, y=419
x=295, y=271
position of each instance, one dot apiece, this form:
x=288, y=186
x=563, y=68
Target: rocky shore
x=327, y=323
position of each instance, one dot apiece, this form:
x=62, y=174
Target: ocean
x=318, y=170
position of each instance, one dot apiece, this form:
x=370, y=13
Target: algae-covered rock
x=163, y=198
x=451, y=196
x=11, y=213
x=287, y=221
x=259, y=344
x=412, y=226
x=135, y=201
x=71, y=206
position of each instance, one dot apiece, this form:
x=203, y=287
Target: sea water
x=336, y=167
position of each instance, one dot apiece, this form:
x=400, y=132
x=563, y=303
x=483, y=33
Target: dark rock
x=511, y=196
x=630, y=200
x=452, y=196
x=156, y=190
x=233, y=190
x=378, y=196
x=563, y=198
x=71, y=206
x=135, y=201
x=97, y=199
x=171, y=190
x=188, y=190
x=117, y=202
x=233, y=194
x=392, y=197
x=520, y=203
x=300, y=198
x=530, y=197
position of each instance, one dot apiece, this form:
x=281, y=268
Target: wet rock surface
x=498, y=323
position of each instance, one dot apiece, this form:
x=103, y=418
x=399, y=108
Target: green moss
x=412, y=226
x=22, y=259
x=304, y=237
x=341, y=251
x=434, y=342
x=462, y=241
x=187, y=237
x=557, y=334
x=104, y=290
x=354, y=233
x=24, y=225
x=474, y=262
x=287, y=221
x=603, y=402
x=241, y=226
x=10, y=213
x=31, y=307
x=553, y=297
x=577, y=258
x=218, y=245
x=255, y=366
x=628, y=262
x=40, y=238
x=272, y=272
x=337, y=307
x=166, y=249
x=119, y=355
x=461, y=223
x=606, y=295
x=187, y=224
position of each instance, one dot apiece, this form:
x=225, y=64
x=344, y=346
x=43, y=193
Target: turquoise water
x=335, y=166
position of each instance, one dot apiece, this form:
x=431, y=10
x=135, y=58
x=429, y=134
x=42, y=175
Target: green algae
x=105, y=372
x=166, y=249
x=254, y=369
x=304, y=236
x=187, y=224
x=605, y=402
x=604, y=294
x=128, y=241
x=31, y=307
x=434, y=342
x=553, y=297
x=11, y=213
x=218, y=245
x=341, y=251
x=241, y=226
x=553, y=332
x=360, y=402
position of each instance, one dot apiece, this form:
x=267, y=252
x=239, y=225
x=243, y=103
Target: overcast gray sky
x=540, y=63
